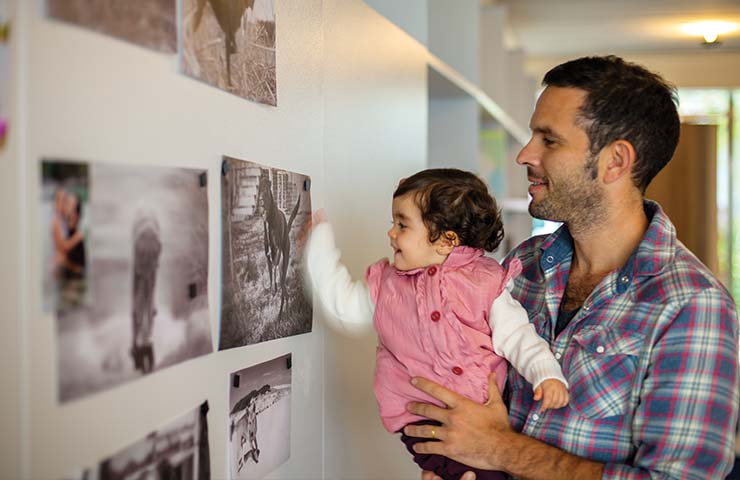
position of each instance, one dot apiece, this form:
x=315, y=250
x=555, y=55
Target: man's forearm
x=530, y=459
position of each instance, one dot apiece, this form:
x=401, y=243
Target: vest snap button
x=457, y=370
x=436, y=316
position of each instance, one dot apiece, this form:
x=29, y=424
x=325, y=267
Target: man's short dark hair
x=624, y=101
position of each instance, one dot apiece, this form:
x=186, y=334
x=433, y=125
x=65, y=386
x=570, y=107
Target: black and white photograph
x=177, y=451
x=64, y=235
x=230, y=44
x=259, y=418
x=148, y=269
x=264, y=210
x=148, y=23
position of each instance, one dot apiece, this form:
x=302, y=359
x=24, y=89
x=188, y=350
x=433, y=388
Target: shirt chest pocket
x=601, y=369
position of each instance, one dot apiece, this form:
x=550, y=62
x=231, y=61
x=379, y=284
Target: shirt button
x=600, y=349
x=549, y=259
x=457, y=370
x=435, y=316
x=624, y=279
x=432, y=270
x=587, y=307
x=558, y=356
x=535, y=417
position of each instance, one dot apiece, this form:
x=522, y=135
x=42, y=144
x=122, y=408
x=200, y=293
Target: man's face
x=563, y=174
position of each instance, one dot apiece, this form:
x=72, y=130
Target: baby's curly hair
x=452, y=199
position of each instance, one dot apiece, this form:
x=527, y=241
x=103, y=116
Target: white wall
x=375, y=134
x=454, y=123
x=453, y=34
x=409, y=15
x=351, y=113
x=12, y=253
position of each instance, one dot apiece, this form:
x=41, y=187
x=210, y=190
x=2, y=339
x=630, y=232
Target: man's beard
x=576, y=201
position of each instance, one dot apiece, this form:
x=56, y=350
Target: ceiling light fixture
x=710, y=30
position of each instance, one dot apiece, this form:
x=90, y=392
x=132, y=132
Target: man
x=646, y=335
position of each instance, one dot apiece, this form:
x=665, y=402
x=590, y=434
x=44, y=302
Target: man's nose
x=527, y=155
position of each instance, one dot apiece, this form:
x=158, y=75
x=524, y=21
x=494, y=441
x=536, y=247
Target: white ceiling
x=577, y=27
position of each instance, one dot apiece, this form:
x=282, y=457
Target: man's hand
x=471, y=433
x=480, y=436
x=553, y=393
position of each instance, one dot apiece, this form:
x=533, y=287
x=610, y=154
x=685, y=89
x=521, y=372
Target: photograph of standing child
x=441, y=309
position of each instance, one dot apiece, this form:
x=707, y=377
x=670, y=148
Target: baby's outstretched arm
x=347, y=303
x=515, y=339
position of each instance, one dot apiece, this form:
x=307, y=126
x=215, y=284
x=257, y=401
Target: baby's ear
x=451, y=238
x=446, y=242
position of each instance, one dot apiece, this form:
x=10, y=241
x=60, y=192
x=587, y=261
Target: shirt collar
x=656, y=249
x=457, y=258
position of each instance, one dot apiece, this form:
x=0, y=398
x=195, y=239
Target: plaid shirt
x=651, y=357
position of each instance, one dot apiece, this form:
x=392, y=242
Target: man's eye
x=548, y=141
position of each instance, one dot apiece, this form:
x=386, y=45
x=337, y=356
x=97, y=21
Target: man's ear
x=620, y=161
x=446, y=242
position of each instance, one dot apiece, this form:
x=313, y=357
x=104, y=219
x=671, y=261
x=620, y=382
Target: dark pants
x=443, y=466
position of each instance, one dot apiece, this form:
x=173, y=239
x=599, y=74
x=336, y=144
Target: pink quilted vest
x=433, y=322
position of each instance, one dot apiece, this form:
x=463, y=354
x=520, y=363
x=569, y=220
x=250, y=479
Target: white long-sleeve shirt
x=349, y=308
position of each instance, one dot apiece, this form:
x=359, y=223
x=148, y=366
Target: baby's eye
x=400, y=224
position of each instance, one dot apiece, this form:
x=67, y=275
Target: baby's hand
x=319, y=216
x=553, y=394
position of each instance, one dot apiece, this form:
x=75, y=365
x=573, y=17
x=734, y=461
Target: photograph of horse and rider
x=264, y=210
x=230, y=44
x=146, y=259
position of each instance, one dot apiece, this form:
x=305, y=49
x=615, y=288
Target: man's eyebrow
x=546, y=131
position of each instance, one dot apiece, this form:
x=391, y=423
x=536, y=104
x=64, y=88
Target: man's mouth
x=537, y=181
x=536, y=184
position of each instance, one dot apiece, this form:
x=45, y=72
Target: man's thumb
x=494, y=396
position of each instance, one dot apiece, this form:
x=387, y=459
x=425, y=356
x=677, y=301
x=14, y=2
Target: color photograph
x=259, y=418
x=5, y=28
x=148, y=23
x=64, y=235
x=148, y=266
x=230, y=44
x=264, y=210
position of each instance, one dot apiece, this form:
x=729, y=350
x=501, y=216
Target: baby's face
x=410, y=237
